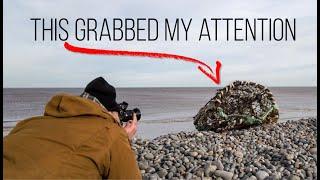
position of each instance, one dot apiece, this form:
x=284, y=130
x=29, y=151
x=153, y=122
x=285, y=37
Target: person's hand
x=131, y=126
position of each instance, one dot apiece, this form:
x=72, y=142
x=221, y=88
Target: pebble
x=289, y=156
x=170, y=175
x=194, y=154
x=162, y=173
x=261, y=175
x=188, y=176
x=224, y=174
x=143, y=165
x=149, y=156
x=238, y=154
x=313, y=150
x=294, y=177
x=173, y=169
x=209, y=170
x=199, y=134
x=154, y=176
x=286, y=172
x=252, y=178
x=185, y=160
x=150, y=170
x=169, y=163
x=174, y=137
x=219, y=164
x=200, y=172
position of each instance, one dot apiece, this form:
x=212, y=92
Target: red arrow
x=201, y=64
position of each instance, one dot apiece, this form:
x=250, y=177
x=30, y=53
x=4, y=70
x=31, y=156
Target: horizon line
x=142, y=87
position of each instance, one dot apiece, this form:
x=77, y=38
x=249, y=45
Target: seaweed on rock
x=240, y=105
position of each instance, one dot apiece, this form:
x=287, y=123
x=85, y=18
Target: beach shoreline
x=153, y=129
x=285, y=150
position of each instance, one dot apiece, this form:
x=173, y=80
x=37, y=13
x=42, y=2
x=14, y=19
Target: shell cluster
x=240, y=105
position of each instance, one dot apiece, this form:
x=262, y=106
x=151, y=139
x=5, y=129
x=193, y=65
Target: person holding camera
x=78, y=137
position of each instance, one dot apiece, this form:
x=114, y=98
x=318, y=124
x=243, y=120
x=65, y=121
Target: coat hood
x=66, y=105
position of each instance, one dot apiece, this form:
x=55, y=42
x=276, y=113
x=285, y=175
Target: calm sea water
x=164, y=110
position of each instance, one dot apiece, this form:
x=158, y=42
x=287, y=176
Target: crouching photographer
x=78, y=137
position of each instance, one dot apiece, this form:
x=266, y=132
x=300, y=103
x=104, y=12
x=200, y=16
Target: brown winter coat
x=75, y=139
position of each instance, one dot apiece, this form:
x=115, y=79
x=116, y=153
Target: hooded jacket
x=75, y=139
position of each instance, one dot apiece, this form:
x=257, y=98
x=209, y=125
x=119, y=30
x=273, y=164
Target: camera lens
x=138, y=113
x=123, y=105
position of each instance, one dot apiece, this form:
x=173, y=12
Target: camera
x=126, y=115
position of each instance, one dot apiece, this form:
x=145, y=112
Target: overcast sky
x=47, y=64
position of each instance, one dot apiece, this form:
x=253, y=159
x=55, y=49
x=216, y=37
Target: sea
x=164, y=110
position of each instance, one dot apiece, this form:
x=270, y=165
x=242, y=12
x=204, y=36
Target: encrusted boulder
x=240, y=105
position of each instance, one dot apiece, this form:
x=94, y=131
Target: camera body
x=126, y=115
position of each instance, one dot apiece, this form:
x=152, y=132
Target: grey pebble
x=185, y=160
x=289, y=156
x=150, y=170
x=143, y=165
x=224, y=174
x=261, y=175
x=170, y=175
x=219, y=164
x=294, y=177
x=313, y=150
x=174, y=137
x=199, y=134
x=238, y=154
x=210, y=170
x=154, y=177
x=188, y=176
x=149, y=156
x=200, y=172
x=162, y=173
x=252, y=178
x=193, y=154
x=173, y=169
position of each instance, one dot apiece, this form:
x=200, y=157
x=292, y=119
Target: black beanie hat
x=104, y=92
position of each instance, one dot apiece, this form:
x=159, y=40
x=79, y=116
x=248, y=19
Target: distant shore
x=283, y=150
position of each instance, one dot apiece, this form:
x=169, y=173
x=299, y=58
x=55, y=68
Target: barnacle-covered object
x=237, y=106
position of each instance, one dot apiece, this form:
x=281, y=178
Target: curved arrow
x=201, y=65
